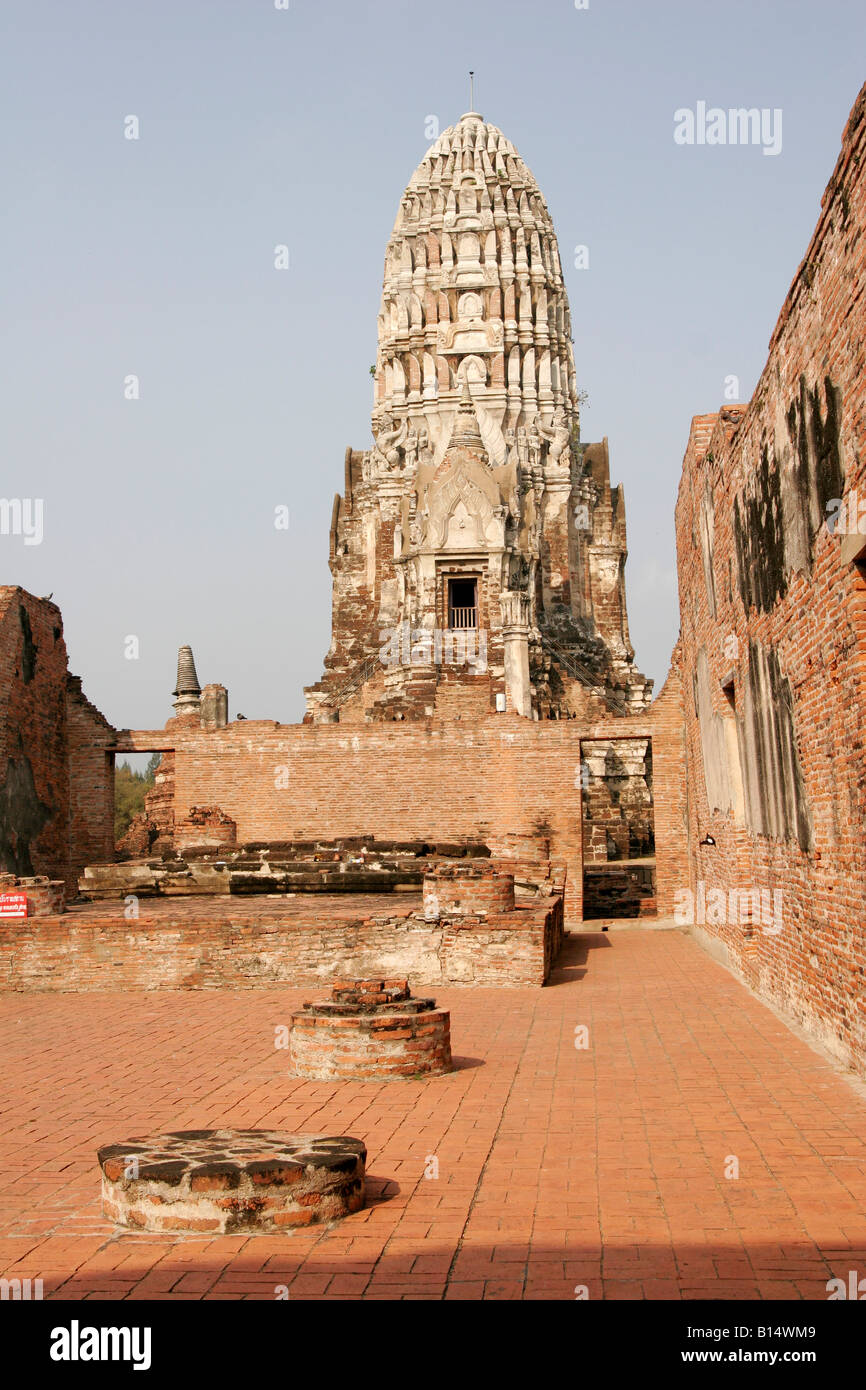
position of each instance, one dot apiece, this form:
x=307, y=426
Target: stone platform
x=370, y=1030
x=229, y=1180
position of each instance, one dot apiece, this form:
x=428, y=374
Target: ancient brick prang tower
x=478, y=549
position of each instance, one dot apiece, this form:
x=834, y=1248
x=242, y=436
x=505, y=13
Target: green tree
x=130, y=789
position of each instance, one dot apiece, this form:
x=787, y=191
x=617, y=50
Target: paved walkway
x=558, y=1167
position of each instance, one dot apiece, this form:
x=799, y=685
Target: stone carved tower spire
x=473, y=291
x=477, y=504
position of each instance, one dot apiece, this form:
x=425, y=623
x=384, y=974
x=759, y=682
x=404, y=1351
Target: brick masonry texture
x=556, y=1166
x=222, y=943
x=502, y=780
x=56, y=789
x=204, y=826
x=459, y=888
x=773, y=622
x=44, y=897
x=225, y=1181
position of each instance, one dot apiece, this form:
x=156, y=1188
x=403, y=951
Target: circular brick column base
x=227, y=1180
x=370, y=1030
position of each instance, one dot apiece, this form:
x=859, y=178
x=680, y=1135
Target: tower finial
x=471, y=90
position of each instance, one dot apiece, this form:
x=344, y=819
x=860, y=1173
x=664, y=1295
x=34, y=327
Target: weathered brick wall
x=485, y=779
x=56, y=780
x=91, y=782
x=773, y=610
x=191, y=946
x=44, y=897
x=205, y=826
x=34, y=775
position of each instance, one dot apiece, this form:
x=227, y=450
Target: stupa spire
x=188, y=691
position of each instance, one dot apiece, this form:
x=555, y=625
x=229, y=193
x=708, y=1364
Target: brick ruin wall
x=773, y=621
x=512, y=783
x=56, y=788
x=34, y=775
x=500, y=780
x=220, y=945
x=91, y=782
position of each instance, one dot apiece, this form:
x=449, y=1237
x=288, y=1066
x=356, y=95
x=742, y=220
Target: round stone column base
x=231, y=1180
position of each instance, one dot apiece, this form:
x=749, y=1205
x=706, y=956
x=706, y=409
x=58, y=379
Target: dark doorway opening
x=462, y=603
x=619, y=869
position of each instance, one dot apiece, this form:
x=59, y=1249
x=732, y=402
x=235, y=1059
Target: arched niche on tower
x=472, y=369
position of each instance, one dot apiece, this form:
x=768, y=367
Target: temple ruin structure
x=480, y=767
x=478, y=549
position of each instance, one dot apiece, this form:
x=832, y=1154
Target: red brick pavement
x=558, y=1167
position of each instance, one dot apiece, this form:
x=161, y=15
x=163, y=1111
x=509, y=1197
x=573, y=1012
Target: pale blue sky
x=261, y=126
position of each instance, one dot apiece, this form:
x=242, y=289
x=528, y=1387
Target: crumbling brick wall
x=195, y=945
x=91, y=781
x=56, y=780
x=34, y=775
x=494, y=780
x=773, y=613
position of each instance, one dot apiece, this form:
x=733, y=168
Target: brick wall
x=490, y=779
x=34, y=775
x=56, y=777
x=773, y=621
x=224, y=945
x=91, y=782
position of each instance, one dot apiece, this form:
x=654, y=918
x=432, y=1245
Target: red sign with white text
x=13, y=905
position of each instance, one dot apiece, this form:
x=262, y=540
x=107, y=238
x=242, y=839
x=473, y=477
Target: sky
x=258, y=126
